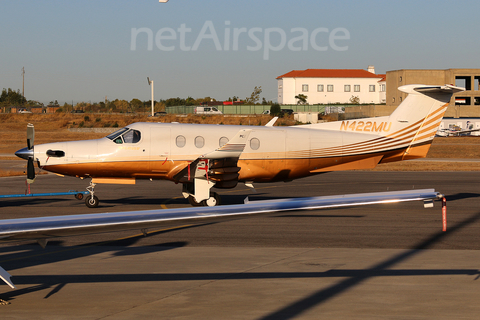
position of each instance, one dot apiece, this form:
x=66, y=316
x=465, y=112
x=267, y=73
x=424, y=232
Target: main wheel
x=193, y=202
x=214, y=200
x=91, y=202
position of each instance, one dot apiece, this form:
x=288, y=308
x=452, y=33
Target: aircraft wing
x=44, y=228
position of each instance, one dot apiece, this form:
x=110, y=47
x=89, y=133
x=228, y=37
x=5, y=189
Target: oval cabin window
x=181, y=141
x=254, y=144
x=199, y=142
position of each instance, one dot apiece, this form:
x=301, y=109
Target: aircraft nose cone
x=24, y=153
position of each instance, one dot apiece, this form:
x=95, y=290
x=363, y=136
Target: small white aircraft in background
x=455, y=132
x=202, y=157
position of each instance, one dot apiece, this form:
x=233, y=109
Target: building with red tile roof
x=330, y=86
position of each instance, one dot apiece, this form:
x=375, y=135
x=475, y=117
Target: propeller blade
x=30, y=136
x=30, y=171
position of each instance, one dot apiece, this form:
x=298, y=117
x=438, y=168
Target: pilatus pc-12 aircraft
x=202, y=157
x=205, y=156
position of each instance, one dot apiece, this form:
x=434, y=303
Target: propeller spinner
x=28, y=153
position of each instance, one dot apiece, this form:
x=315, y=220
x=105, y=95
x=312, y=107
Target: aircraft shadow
x=56, y=282
x=295, y=309
x=21, y=256
x=461, y=196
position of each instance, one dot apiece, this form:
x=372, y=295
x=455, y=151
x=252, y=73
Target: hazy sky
x=86, y=50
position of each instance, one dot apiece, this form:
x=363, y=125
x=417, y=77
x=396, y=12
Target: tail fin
x=418, y=117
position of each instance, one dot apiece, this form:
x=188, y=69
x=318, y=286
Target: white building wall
x=294, y=86
x=286, y=91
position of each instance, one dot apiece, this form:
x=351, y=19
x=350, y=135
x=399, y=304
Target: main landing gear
x=213, y=200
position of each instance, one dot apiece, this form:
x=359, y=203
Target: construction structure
x=463, y=104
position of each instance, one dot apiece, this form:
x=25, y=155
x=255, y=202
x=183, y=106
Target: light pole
x=150, y=82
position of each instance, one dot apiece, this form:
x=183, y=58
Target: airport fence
x=250, y=109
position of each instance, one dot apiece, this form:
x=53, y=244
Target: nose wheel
x=91, y=200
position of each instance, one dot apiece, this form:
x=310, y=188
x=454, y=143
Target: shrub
x=275, y=110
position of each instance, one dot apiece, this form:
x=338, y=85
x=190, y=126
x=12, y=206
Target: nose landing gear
x=91, y=200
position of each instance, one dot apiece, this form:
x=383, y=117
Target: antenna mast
x=23, y=82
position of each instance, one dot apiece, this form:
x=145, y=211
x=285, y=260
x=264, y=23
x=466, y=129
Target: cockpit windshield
x=112, y=136
x=125, y=135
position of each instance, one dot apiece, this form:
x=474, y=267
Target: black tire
x=79, y=196
x=91, y=202
x=194, y=203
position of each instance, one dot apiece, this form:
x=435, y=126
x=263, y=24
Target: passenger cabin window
x=199, y=142
x=254, y=143
x=180, y=141
x=125, y=135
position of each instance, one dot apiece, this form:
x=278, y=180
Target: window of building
x=400, y=79
x=371, y=88
x=199, y=142
x=382, y=88
x=320, y=87
x=393, y=99
x=305, y=87
x=180, y=141
x=330, y=88
x=347, y=88
x=254, y=144
x=356, y=88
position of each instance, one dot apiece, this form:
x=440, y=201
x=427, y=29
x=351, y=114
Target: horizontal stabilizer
x=447, y=89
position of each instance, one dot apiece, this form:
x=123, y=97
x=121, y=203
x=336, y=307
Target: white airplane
x=454, y=132
x=202, y=157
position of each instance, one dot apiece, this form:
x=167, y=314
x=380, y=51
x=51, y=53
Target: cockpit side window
x=132, y=136
x=125, y=135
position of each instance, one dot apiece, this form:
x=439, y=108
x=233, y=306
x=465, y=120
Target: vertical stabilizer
x=417, y=118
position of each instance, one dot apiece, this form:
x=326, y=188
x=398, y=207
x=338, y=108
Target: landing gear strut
x=91, y=200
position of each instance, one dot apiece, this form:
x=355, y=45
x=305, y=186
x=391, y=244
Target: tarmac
x=371, y=262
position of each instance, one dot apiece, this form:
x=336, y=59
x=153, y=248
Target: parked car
x=23, y=110
x=266, y=112
x=160, y=113
x=287, y=111
x=207, y=110
x=78, y=111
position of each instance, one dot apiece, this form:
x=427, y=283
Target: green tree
x=136, y=105
x=355, y=100
x=11, y=97
x=255, y=96
x=302, y=99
